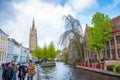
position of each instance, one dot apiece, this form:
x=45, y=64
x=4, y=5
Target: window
x=113, y=53
x=108, y=53
x=118, y=50
x=112, y=41
x=103, y=53
x=118, y=39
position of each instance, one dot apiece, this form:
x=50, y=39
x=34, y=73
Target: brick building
x=112, y=47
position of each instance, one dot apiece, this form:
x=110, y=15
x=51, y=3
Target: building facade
x=3, y=46
x=112, y=47
x=14, y=50
x=33, y=37
x=17, y=51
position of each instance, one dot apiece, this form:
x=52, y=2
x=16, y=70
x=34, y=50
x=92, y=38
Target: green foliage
x=65, y=57
x=45, y=52
x=37, y=53
x=118, y=69
x=110, y=67
x=99, y=32
x=51, y=50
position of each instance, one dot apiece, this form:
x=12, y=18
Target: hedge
x=118, y=69
x=110, y=67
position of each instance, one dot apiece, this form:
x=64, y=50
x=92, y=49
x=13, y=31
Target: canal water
x=66, y=72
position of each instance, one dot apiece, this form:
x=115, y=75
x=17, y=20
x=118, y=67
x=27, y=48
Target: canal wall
x=99, y=71
x=41, y=74
x=47, y=64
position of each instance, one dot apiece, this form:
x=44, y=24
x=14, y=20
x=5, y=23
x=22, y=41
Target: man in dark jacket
x=7, y=72
x=22, y=72
x=15, y=69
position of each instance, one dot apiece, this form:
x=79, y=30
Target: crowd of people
x=10, y=71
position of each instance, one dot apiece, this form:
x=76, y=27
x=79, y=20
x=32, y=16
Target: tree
x=51, y=51
x=45, y=52
x=74, y=32
x=37, y=53
x=99, y=33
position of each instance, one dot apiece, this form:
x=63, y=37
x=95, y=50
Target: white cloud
x=113, y=5
x=80, y=5
x=48, y=20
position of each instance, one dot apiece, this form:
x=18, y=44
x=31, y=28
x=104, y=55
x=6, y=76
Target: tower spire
x=33, y=24
x=33, y=37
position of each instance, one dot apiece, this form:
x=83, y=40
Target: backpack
x=9, y=72
x=25, y=69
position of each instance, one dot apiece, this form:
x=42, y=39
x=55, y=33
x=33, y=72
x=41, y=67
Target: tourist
x=15, y=69
x=7, y=72
x=22, y=72
x=31, y=70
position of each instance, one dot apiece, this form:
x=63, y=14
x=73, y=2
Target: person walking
x=31, y=70
x=22, y=72
x=7, y=72
x=15, y=69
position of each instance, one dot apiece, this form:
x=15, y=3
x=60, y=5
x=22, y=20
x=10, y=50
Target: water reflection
x=65, y=72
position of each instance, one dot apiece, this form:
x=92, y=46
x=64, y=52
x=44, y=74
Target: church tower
x=33, y=37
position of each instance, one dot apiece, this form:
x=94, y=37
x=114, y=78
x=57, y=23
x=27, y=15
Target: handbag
x=33, y=73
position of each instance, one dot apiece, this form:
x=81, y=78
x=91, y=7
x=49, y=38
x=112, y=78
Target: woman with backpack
x=22, y=72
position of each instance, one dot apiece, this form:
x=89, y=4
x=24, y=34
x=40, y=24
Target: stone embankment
x=98, y=69
x=41, y=74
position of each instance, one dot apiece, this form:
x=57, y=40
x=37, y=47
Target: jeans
x=30, y=78
x=14, y=76
x=22, y=78
x=8, y=78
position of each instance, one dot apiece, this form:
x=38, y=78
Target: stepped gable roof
x=116, y=22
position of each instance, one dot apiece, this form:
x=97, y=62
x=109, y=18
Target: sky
x=16, y=17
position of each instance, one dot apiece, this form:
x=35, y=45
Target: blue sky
x=16, y=16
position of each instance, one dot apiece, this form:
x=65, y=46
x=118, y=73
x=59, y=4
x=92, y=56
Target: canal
x=66, y=72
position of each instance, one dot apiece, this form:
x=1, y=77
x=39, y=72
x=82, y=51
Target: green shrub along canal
x=65, y=72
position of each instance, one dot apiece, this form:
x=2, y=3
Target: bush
x=118, y=69
x=110, y=67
